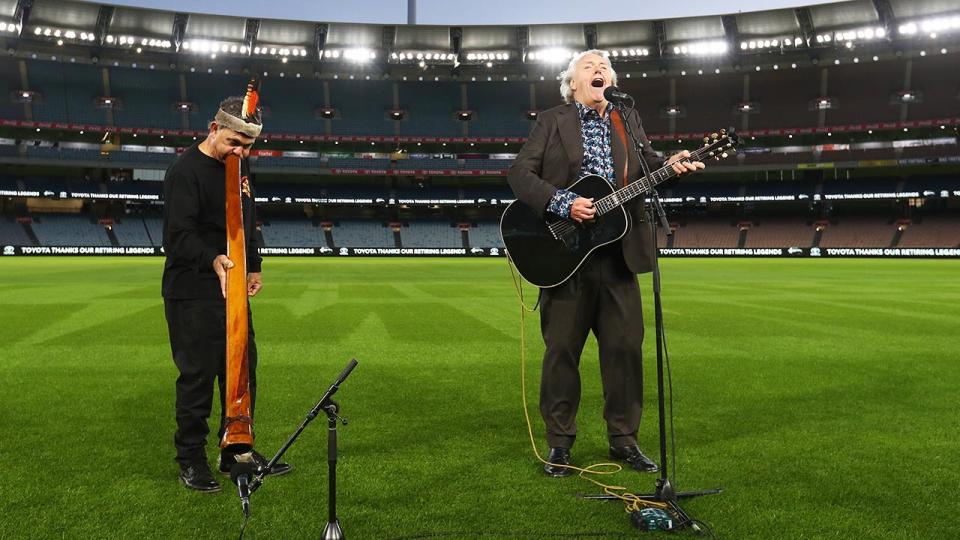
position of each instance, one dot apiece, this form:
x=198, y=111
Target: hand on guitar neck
x=680, y=164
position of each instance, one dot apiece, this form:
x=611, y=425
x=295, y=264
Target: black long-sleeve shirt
x=194, y=225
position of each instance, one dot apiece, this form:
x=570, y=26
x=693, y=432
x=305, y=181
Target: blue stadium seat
x=147, y=99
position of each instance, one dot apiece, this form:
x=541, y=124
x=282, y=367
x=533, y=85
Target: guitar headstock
x=719, y=145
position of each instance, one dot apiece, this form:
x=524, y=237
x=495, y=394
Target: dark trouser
x=198, y=342
x=602, y=296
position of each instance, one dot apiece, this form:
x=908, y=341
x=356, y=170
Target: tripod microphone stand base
x=332, y=531
x=665, y=494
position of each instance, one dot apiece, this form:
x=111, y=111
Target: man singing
x=568, y=142
x=194, y=241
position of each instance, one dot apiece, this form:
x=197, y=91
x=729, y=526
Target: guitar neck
x=642, y=185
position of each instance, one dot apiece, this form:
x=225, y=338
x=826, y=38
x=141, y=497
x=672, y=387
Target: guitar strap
x=617, y=120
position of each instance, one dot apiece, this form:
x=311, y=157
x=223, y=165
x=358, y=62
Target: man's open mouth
x=597, y=83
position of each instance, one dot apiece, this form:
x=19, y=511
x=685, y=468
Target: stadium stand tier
x=779, y=233
x=69, y=230
x=780, y=99
x=846, y=145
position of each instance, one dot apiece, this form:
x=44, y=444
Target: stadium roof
x=659, y=44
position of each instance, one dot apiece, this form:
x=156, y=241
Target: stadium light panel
x=59, y=34
x=628, y=54
x=701, y=48
x=205, y=46
x=848, y=37
x=277, y=51
x=359, y=55
x=931, y=26
x=553, y=55
x=775, y=43
x=422, y=58
x=908, y=97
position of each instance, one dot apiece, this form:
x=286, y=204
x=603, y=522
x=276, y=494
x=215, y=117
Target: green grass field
x=820, y=394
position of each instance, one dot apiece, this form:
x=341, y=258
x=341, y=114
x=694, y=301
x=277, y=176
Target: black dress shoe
x=558, y=456
x=634, y=457
x=227, y=461
x=198, y=476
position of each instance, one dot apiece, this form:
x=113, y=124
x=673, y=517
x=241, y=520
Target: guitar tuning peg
x=706, y=139
x=723, y=131
x=723, y=155
x=714, y=136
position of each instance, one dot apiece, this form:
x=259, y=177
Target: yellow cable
x=631, y=501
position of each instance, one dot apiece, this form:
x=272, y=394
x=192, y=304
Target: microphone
x=616, y=96
x=240, y=474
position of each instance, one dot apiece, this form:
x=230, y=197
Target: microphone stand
x=332, y=530
x=665, y=491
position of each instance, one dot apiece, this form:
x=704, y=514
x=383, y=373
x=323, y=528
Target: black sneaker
x=198, y=476
x=227, y=461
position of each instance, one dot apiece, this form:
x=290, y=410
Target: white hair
x=567, y=75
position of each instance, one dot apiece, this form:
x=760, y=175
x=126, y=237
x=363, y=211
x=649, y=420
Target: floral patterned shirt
x=597, y=155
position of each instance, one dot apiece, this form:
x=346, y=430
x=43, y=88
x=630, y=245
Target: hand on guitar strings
x=220, y=265
x=680, y=165
x=582, y=210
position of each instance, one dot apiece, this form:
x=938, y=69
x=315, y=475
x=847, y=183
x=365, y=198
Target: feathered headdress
x=248, y=122
x=251, y=100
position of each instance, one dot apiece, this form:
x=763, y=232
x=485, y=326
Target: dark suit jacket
x=551, y=159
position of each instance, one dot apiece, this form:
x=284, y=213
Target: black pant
x=603, y=296
x=198, y=342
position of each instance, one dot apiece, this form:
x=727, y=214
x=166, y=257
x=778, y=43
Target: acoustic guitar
x=548, y=250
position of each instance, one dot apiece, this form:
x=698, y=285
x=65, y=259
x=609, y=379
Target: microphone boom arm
x=325, y=401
